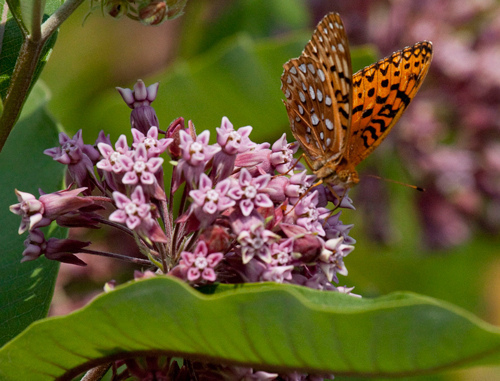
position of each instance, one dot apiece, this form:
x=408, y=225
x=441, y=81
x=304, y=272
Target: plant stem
x=58, y=17
x=26, y=63
x=137, y=261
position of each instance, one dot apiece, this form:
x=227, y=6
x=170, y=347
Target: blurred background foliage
x=225, y=57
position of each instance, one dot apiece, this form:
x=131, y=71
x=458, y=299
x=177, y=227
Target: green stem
x=138, y=261
x=36, y=34
x=58, y=17
x=26, y=63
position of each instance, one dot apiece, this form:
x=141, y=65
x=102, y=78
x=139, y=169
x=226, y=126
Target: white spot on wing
x=328, y=101
x=321, y=75
x=302, y=97
x=329, y=124
x=311, y=68
x=293, y=70
x=319, y=94
x=314, y=119
x=302, y=68
x=287, y=93
x=301, y=110
x=311, y=93
x=328, y=142
x=322, y=135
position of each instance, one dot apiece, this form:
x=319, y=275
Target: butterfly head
x=347, y=177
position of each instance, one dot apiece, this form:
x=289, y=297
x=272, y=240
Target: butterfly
x=339, y=118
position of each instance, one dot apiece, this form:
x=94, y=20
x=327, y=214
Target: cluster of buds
x=243, y=212
x=148, y=12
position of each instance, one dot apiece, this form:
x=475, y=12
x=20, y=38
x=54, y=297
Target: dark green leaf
x=25, y=288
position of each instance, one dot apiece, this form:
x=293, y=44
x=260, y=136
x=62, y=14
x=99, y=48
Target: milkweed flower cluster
x=244, y=212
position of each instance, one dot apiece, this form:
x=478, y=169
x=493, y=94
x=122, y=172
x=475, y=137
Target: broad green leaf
x=264, y=326
x=25, y=288
x=12, y=39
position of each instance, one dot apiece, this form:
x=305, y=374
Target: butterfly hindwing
x=317, y=87
x=381, y=93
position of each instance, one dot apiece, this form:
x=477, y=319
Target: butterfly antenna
x=420, y=189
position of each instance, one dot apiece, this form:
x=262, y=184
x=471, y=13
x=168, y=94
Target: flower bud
x=153, y=13
x=116, y=8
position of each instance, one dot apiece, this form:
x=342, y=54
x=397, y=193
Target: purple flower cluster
x=244, y=212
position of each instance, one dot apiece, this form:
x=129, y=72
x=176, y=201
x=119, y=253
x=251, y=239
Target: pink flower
x=298, y=185
x=308, y=215
x=38, y=213
x=135, y=212
x=282, y=155
x=209, y=202
x=256, y=241
x=196, y=153
x=331, y=260
x=200, y=265
x=131, y=211
x=141, y=169
x=249, y=192
x=139, y=100
x=232, y=142
x=111, y=157
x=79, y=157
x=154, y=146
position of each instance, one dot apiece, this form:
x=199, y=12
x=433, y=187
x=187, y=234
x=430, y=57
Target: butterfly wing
x=381, y=93
x=317, y=87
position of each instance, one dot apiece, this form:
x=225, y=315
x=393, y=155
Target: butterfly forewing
x=317, y=86
x=339, y=119
x=381, y=93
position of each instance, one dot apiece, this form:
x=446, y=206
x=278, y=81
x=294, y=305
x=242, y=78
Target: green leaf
x=25, y=288
x=12, y=39
x=265, y=326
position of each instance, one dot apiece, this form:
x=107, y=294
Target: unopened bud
x=153, y=13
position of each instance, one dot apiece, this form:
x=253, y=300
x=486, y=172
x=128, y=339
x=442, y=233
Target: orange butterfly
x=338, y=118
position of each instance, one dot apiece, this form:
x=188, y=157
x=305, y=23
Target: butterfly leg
x=292, y=167
x=304, y=194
